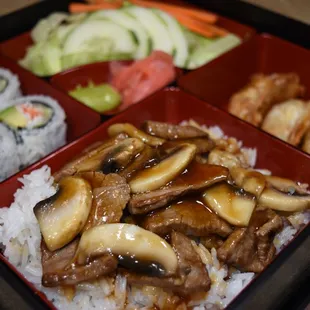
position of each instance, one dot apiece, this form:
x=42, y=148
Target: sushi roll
x=38, y=124
x=9, y=86
x=9, y=158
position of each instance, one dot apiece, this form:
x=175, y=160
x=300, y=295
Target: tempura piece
x=263, y=91
x=288, y=120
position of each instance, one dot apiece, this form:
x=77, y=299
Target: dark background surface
x=293, y=289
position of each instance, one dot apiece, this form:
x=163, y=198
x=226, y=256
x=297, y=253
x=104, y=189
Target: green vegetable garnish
x=101, y=98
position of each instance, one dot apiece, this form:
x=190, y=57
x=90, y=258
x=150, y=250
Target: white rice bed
x=20, y=233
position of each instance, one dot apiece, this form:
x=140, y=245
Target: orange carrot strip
x=83, y=8
x=195, y=13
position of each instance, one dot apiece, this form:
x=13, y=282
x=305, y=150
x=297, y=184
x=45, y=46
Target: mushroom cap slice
x=164, y=172
x=276, y=200
x=286, y=185
x=230, y=203
x=251, y=181
x=62, y=216
x=134, y=132
x=127, y=240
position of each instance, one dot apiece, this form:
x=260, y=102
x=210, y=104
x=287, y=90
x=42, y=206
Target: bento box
x=175, y=106
x=227, y=82
x=66, y=118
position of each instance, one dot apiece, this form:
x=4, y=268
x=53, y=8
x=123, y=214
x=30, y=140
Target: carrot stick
x=207, y=17
x=83, y=8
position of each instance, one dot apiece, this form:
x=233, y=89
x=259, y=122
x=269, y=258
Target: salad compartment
x=174, y=106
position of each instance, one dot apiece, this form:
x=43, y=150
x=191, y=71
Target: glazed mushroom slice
x=172, y=132
x=145, y=158
x=192, y=275
x=286, y=185
x=251, y=181
x=189, y=217
x=127, y=240
x=196, y=178
x=111, y=194
x=134, y=132
x=230, y=203
x=122, y=155
x=280, y=201
x=62, y=216
x=90, y=159
x=165, y=171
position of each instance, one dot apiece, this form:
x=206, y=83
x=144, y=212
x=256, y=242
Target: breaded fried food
x=288, y=121
x=263, y=91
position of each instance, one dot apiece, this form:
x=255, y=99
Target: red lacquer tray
x=218, y=80
x=173, y=106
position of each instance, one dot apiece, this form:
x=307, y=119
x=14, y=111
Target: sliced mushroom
x=139, y=162
x=230, y=203
x=62, y=216
x=127, y=240
x=134, y=132
x=164, y=172
x=90, y=159
x=276, y=200
x=122, y=155
x=287, y=185
x=251, y=181
x=172, y=132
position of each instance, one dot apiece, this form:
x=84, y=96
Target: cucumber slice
x=178, y=38
x=158, y=32
x=46, y=25
x=205, y=53
x=59, y=35
x=125, y=20
x=87, y=35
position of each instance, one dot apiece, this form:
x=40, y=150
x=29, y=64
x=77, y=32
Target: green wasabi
x=101, y=98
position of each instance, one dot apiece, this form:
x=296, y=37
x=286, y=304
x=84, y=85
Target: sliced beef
x=172, y=132
x=196, y=178
x=95, y=269
x=111, y=194
x=90, y=159
x=204, y=145
x=192, y=273
x=58, y=260
x=189, y=217
x=251, y=249
x=211, y=241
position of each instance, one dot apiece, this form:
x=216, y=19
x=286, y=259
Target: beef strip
x=189, y=217
x=89, y=159
x=255, y=99
x=251, y=249
x=172, y=132
x=111, y=194
x=59, y=270
x=204, y=145
x=192, y=275
x=211, y=241
x=101, y=266
x=197, y=178
x=60, y=259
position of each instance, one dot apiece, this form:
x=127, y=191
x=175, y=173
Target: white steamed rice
x=20, y=234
